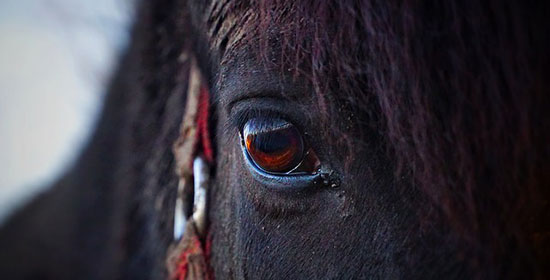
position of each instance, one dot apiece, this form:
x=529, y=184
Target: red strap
x=202, y=123
x=193, y=261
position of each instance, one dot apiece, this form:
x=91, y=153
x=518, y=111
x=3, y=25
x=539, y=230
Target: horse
x=349, y=139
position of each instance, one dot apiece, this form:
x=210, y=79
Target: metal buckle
x=198, y=193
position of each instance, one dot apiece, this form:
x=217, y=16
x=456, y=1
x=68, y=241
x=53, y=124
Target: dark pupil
x=275, y=141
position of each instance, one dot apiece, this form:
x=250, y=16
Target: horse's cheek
x=256, y=239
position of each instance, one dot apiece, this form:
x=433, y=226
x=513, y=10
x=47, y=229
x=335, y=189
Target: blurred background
x=56, y=57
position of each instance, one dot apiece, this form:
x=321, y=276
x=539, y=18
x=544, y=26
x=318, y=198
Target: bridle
x=188, y=256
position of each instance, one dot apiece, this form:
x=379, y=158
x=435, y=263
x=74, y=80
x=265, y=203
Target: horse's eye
x=275, y=145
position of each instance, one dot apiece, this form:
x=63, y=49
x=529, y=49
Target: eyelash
x=238, y=120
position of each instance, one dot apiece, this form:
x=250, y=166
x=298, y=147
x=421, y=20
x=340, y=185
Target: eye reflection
x=277, y=146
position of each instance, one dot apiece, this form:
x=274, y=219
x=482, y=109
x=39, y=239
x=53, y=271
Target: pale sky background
x=56, y=57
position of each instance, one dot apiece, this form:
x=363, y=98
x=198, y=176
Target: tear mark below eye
x=328, y=179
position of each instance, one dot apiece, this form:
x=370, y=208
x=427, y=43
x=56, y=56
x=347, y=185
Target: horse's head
x=350, y=139
x=366, y=139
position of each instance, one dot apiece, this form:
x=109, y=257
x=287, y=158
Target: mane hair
x=457, y=90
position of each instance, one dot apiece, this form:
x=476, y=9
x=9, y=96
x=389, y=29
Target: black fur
x=431, y=115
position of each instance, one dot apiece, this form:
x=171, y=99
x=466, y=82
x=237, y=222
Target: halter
x=188, y=256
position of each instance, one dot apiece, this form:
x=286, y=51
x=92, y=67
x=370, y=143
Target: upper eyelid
x=240, y=119
x=264, y=95
x=237, y=119
x=257, y=84
x=248, y=108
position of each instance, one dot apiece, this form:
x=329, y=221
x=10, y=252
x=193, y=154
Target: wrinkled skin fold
x=429, y=121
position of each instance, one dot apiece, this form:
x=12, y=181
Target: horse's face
x=370, y=139
x=353, y=139
x=343, y=213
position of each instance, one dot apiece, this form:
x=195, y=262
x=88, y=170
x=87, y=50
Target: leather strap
x=187, y=257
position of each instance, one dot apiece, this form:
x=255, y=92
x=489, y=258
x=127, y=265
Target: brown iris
x=274, y=145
